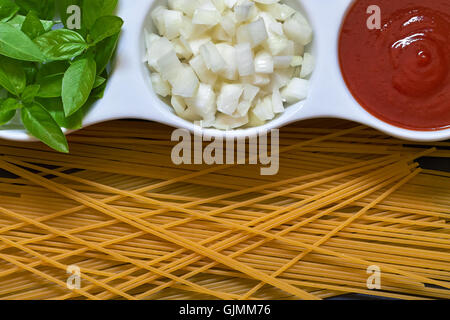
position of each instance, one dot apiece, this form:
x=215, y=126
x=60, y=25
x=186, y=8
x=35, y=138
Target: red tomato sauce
x=400, y=73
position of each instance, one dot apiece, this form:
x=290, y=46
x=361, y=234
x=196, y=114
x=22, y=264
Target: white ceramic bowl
x=129, y=92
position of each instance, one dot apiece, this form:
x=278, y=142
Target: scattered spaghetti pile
x=139, y=227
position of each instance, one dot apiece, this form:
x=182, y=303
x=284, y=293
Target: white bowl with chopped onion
x=229, y=64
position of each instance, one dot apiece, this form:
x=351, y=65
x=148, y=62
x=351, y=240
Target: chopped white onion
x=160, y=86
x=242, y=10
x=169, y=66
x=229, y=63
x=257, y=32
x=226, y=122
x=204, y=74
x=228, y=53
x=186, y=83
x=297, y=28
x=213, y=60
x=264, y=109
x=228, y=99
x=206, y=17
x=204, y=102
x=244, y=56
x=277, y=102
x=263, y=62
x=307, y=65
x=296, y=90
x=281, y=62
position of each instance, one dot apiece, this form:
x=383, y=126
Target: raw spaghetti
x=140, y=227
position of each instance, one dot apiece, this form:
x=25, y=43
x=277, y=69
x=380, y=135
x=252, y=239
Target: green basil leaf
x=104, y=52
x=99, y=81
x=7, y=10
x=32, y=26
x=41, y=125
x=44, y=8
x=50, y=86
x=8, y=110
x=12, y=75
x=77, y=84
x=6, y=116
x=55, y=108
x=3, y=94
x=11, y=104
x=16, y=44
x=30, y=93
x=98, y=92
x=52, y=68
x=18, y=21
x=105, y=27
x=61, y=44
x=31, y=70
x=94, y=9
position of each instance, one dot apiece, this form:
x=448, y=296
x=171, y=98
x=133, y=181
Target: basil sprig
x=50, y=73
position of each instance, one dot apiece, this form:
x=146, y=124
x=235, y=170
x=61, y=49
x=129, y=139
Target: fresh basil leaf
x=77, y=84
x=105, y=27
x=18, y=21
x=7, y=10
x=3, y=94
x=11, y=104
x=104, y=52
x=8, y=110
x=52, y=68
x=32, y=26
x=31, y=70
x=6, y=116
x=98, y=92
x=94, y=9
x=44, y=8
x=50, y=86
x=61, y=44
x=41, y=125
x=30, y=93
x=55, y=108
x=99, y=81
x=16, y=44
x=12, y=75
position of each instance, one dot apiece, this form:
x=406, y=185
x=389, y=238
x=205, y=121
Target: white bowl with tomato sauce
x=129, y=93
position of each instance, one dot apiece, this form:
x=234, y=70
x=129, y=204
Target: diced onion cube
x=169, y=66
x=228, y=100
x=298, y=29
x=160, y=86
x=186, y=83
x=282, y=62
x=206, y=17
x=204, y=102
x=257, y=32
x=228, y=53
x=277, y=102
x=172, y=23
x=296, y=90
x=245, y=63
x=264, y=63
x=226, y=122
x=264, y=109
x=212, y=57
x=204, y=74
x=307, y=65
